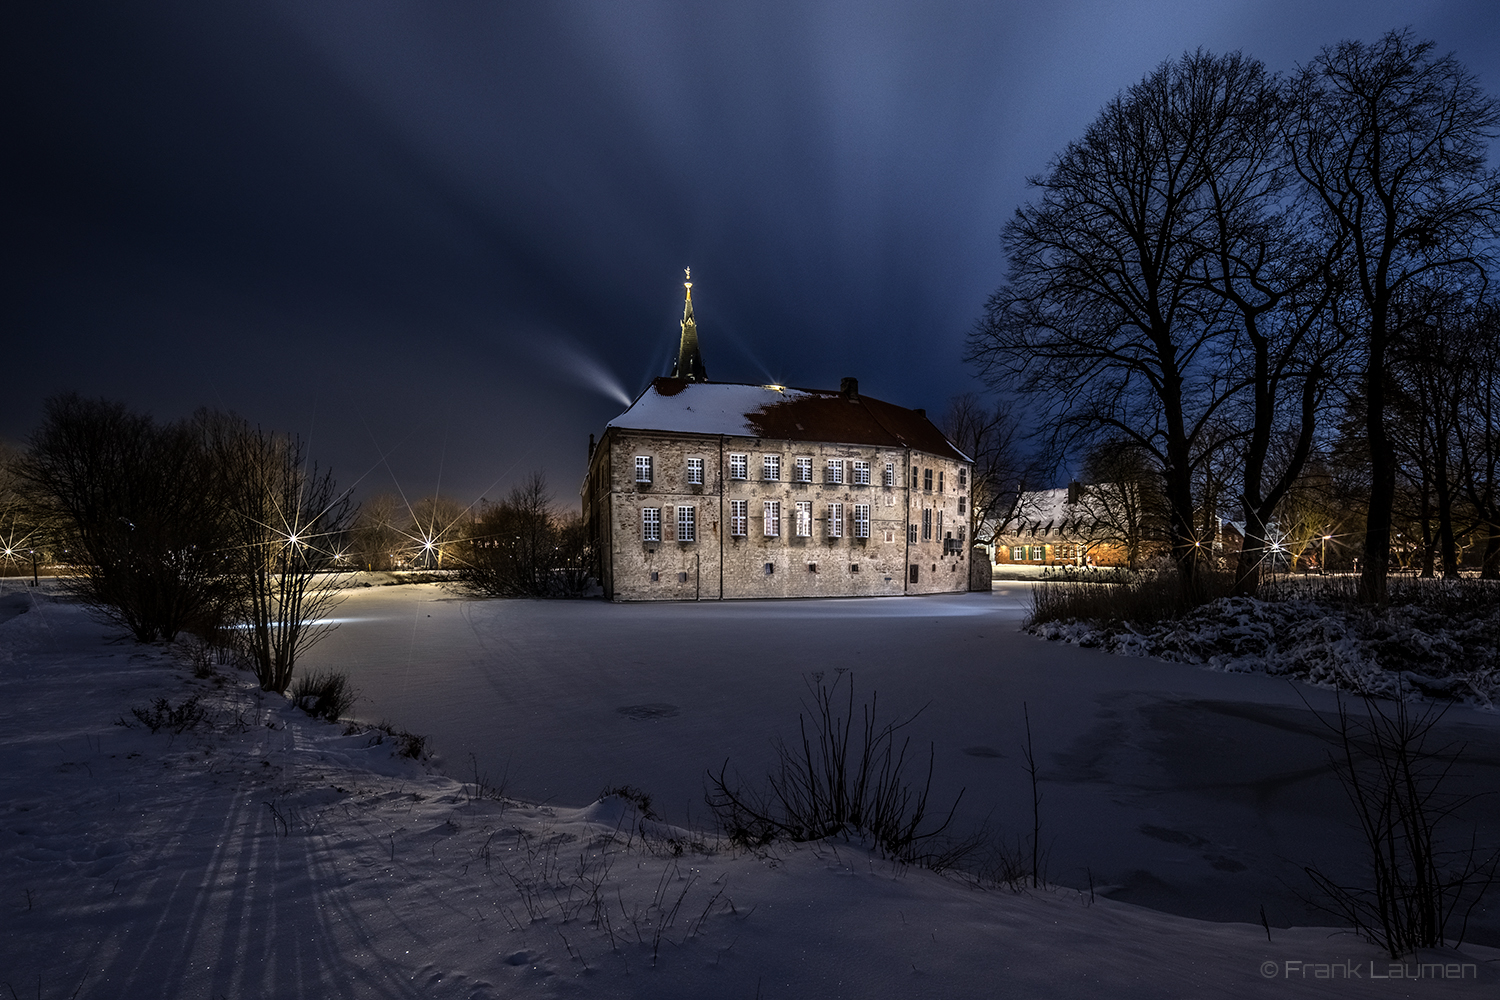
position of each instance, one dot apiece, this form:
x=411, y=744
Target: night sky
x=444, y=241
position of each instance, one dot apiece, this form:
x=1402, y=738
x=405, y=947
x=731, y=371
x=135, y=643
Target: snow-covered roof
x=782, y=412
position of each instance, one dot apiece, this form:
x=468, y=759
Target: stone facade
x=774, y=516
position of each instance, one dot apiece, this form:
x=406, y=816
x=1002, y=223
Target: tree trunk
x=1377, y=550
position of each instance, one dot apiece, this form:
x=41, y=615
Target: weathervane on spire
x=687, y=274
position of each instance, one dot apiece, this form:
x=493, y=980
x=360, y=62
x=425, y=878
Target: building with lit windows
x=713, y=490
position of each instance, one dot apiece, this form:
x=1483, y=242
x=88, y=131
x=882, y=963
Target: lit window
x=835, y=473
x=804, y=471
x=804, y=518
x=643, y=468
x=963, y=478
x=861, y=520
x=1018, y=553
x=861, y=473
x=737, y=518
x=927, y=480
x=890, y=473
x=737, y=466
x=687, y=527
x=770, y=468
x=773, y=518
x=651, y=524
x=695, y=472
x=926, y=524
x=835, y=520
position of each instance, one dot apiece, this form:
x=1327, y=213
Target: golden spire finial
x=687, y=274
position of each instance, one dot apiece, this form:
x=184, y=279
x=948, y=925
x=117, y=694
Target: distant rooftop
x=784, y=413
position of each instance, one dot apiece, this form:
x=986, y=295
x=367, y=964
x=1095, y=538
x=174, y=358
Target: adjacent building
x=712, y=490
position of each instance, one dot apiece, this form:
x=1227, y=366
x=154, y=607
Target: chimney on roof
x=849, y=388
x=591, y=447
x=920, y=412
x=1075, y=492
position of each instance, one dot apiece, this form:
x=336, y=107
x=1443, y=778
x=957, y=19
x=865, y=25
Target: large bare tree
x=1391, y=139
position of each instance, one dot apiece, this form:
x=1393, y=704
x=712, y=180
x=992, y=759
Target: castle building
x=715, y=490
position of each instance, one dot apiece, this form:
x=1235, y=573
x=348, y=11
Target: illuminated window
x=773, y=518
x=835, y=520
x=695, y=471
x=643, y=468
x=737, y=518
x=861, y=520
x=651, y=524
x=738, y=466
x=687, y=527
x=861, y=473
x=804, y=518
x=770, y=468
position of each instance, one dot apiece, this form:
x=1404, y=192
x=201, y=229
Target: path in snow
x=1194, y=792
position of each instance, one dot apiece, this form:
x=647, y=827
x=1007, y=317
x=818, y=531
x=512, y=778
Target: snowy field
x=259, y=853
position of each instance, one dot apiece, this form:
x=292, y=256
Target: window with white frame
x=926, y=524
x=651, y=524
x=773, y=518
x=687, y=526
x=1018, y=553
x=835, y=520
x=804, y=518
x=803, y=473
x=738, y=466
x=738, y=516
x=643, y=468
x=861, y=520
x=835, y=472
x=890, y=473
x=861, y=473
x=695, y=471
x=770, y=468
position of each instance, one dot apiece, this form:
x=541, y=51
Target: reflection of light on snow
x=311, y=622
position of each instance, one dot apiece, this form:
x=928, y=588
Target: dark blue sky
x=438, y=240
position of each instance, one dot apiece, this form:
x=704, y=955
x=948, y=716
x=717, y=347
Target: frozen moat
x=1191, y=791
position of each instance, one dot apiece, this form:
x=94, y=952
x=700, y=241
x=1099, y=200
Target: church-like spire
x=689, y=364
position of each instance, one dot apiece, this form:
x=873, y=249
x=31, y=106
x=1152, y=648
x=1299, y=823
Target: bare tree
x=1002, y=473
x=1107, y=319
x=434, y=527
x=522, y=547
x=1478, y=432
x=285, y=515
x=377, y=535
x=1122, y=502
x=135, y=504
x=1391, y=140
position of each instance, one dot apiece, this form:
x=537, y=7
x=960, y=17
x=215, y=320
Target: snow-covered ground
x=259, y=853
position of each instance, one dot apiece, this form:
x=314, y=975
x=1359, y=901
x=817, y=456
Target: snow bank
x=1410, y=650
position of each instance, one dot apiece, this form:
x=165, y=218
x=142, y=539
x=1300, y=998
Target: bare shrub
x=324, y=694
x=162, y=715
x=1421, y=880
x=1140, y=599
x=820, y=789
